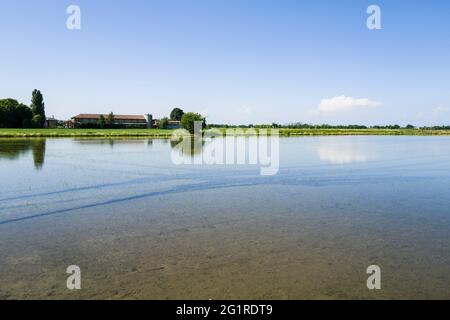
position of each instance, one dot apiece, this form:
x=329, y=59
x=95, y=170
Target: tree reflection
x=13, y=149
x=190, y=147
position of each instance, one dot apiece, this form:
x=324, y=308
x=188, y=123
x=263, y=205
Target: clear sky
x=237, y=61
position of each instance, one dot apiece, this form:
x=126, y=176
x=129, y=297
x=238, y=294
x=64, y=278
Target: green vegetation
x=29, y=133
x=103, y=123
x=19, y=120
x=176, y=114
x=369, y=131
x=188, y=120
x=17, y=115
x=163, y=123
x=300, y=125
x=110, y=120
x=161, y=133
x=14, y=114
x=38, y=109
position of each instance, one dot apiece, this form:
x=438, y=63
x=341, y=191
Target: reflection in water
x=112, y=142
x=13, y=149
x=188, y=148
x=343, y=153
x=145, y=228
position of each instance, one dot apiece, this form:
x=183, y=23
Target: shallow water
x=141, y=227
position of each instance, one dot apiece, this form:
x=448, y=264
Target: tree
x=176, y=114
x=37, y=121
x=38, y=107
x=7, y=107
x=14, y=114
x=188, y=120
x=22, y=116
x=163, y=123
x=101, y=121
x=110, y=120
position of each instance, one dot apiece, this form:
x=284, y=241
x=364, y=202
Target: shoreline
x=160, y=133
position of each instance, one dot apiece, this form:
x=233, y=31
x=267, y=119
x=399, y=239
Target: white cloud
x=344, y=103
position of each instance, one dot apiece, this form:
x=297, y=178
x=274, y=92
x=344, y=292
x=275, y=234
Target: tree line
x=300, y=125
x=17, y=115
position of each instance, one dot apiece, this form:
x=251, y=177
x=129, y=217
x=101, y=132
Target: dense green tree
x=37, y=121
x=7, y=107
x=163, y=123
x=188, y=120
x=38, y=108
x=27, y=123
x=14, y=114
x=22, y=116
x=176, y=114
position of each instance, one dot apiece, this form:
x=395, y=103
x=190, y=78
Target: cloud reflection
x=340, y=154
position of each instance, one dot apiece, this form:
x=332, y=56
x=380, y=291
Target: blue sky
x=247, y=61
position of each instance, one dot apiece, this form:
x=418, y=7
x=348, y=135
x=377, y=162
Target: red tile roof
x=116, y=116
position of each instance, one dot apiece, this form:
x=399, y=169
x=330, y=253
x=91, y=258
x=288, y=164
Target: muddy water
x=140, y=227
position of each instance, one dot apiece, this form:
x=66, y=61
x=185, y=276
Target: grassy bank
x=158, y=133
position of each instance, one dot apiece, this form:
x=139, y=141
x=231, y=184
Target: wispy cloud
x=435, y=113
x=344, y=103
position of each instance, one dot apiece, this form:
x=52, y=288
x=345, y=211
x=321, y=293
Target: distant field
x=159, y=133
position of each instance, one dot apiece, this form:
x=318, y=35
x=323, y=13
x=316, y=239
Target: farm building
x=124, y=121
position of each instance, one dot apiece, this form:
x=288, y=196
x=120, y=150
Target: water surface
x=141, y=227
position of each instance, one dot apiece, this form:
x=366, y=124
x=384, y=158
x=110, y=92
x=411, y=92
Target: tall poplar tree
x=38, y=108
